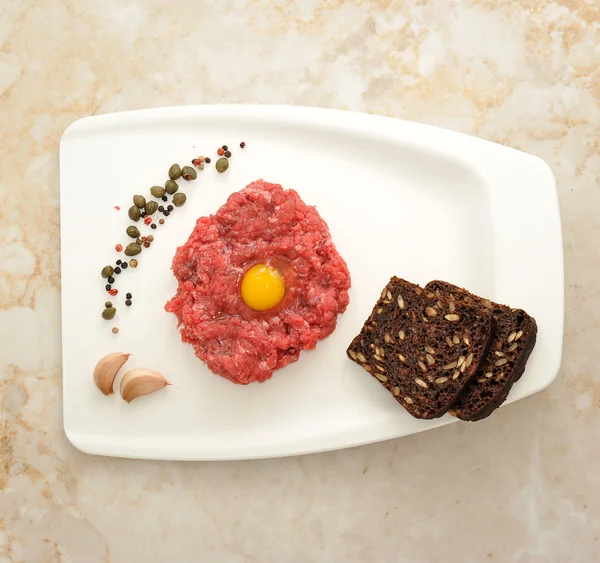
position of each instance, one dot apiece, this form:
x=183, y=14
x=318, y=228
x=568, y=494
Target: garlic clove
x=141, y=381
x=106, y=371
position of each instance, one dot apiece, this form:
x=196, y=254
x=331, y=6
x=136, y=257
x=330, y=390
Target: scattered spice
x=198, y=161
x=242, y=145
x=207, y=160
x=128, y=295
x=222, y=165
x=164, y=198
x=124, y=265
x=128, y=302
x=228, y=154
x=107, y=287
x=117, y=208
x=118, y=262
x=220, y=152
x=108, y=304
x=161, y=208
x=109, y=313
x=113, y=291
x=148, y=220
x=166, y=213
x=143, y=214
x=107, y=271
x=119, y=247
x=115, y=330
x=111, y=280
x=118, y=270
x=225, y=147
x=150, y=238
x=146, y=244
x=134, y=213
x=189, y=173
x=170, y=207
x=161, y=221
x=175, y=172
x=133, y=263
x=153, y=226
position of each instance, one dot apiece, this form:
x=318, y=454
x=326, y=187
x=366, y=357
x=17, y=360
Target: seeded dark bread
x=423, y=348
x=511, y=347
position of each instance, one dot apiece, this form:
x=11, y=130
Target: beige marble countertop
x=522, y=486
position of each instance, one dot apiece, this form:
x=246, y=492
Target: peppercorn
x=115, y=330
x=220, y=152
x=107, y=287
x=146, y=244
x=161, y=208
x=196, y=162
x=108, y=304
x=150, y=238
x=118, y=270
x=128, y=302
x=111, y=280
x=119, y=247
x=166, y=212
x=207, y=160
x=161, y=221
x=169, y=208
x=118, y=262
x=242, y=145
x=133, y=263
x=164, y=198
x=148, y=220
x=228, y=154
x=153, y=226
x=143, y=214
x=225, y=147
x=128, y=295
x=113, y=291
x=124, y=265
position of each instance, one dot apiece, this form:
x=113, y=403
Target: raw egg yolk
x=262, y=287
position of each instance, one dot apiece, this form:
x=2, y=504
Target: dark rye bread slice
x=422, y=348
x=512, y=344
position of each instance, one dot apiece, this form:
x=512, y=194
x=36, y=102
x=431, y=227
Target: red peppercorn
x=148, y=220
x=117, y=208
x=220, y=151
x=196, y=162
x=113, y=291
x=119, y=247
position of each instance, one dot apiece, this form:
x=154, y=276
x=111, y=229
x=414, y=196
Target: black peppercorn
x=111, y=280
x=227, y=154
x=107, y=287
x=161, y=208
x=128, y=302
x=166, y=213
x=164, y=198
x=207, y=160
x=224, y=147
x=117, y=270
x=124, y=265
x=169, y=208
x=128, y=296
x=118, y=262
x=153, y=226
x=143, y=214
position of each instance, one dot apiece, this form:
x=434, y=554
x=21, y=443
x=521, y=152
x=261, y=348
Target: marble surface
x=522, y=486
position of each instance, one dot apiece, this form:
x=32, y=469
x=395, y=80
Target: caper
x=222, y=164
x=133, y=248
x=157, y=191
x=107, y=271
x=179, y=199
x=109, y=313
x=175, y=172
x=151, y=207
x=171, y=186
x=134, y=213
x=139, y=201
x=133, y=231
x=189, y=173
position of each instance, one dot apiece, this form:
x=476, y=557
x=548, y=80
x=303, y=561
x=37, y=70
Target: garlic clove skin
x=106, y=371
x=141, y=381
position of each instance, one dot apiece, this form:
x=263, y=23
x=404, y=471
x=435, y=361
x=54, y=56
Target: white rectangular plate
x=400, y=199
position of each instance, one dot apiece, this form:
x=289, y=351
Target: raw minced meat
x=261, y=224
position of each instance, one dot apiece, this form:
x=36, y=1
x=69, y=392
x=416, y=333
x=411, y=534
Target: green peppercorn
x=139, y=201
x=171, y=186
x=134, y=213
x=133, y=231
x=179, y=199
x=175, y=172
x=151, y=207
x=188, y=173
x=107, y=271
x=109, y=313
x=222, y=164
x=157, y=191
x=132, y=249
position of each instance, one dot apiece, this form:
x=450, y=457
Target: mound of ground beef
x=261, y=224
